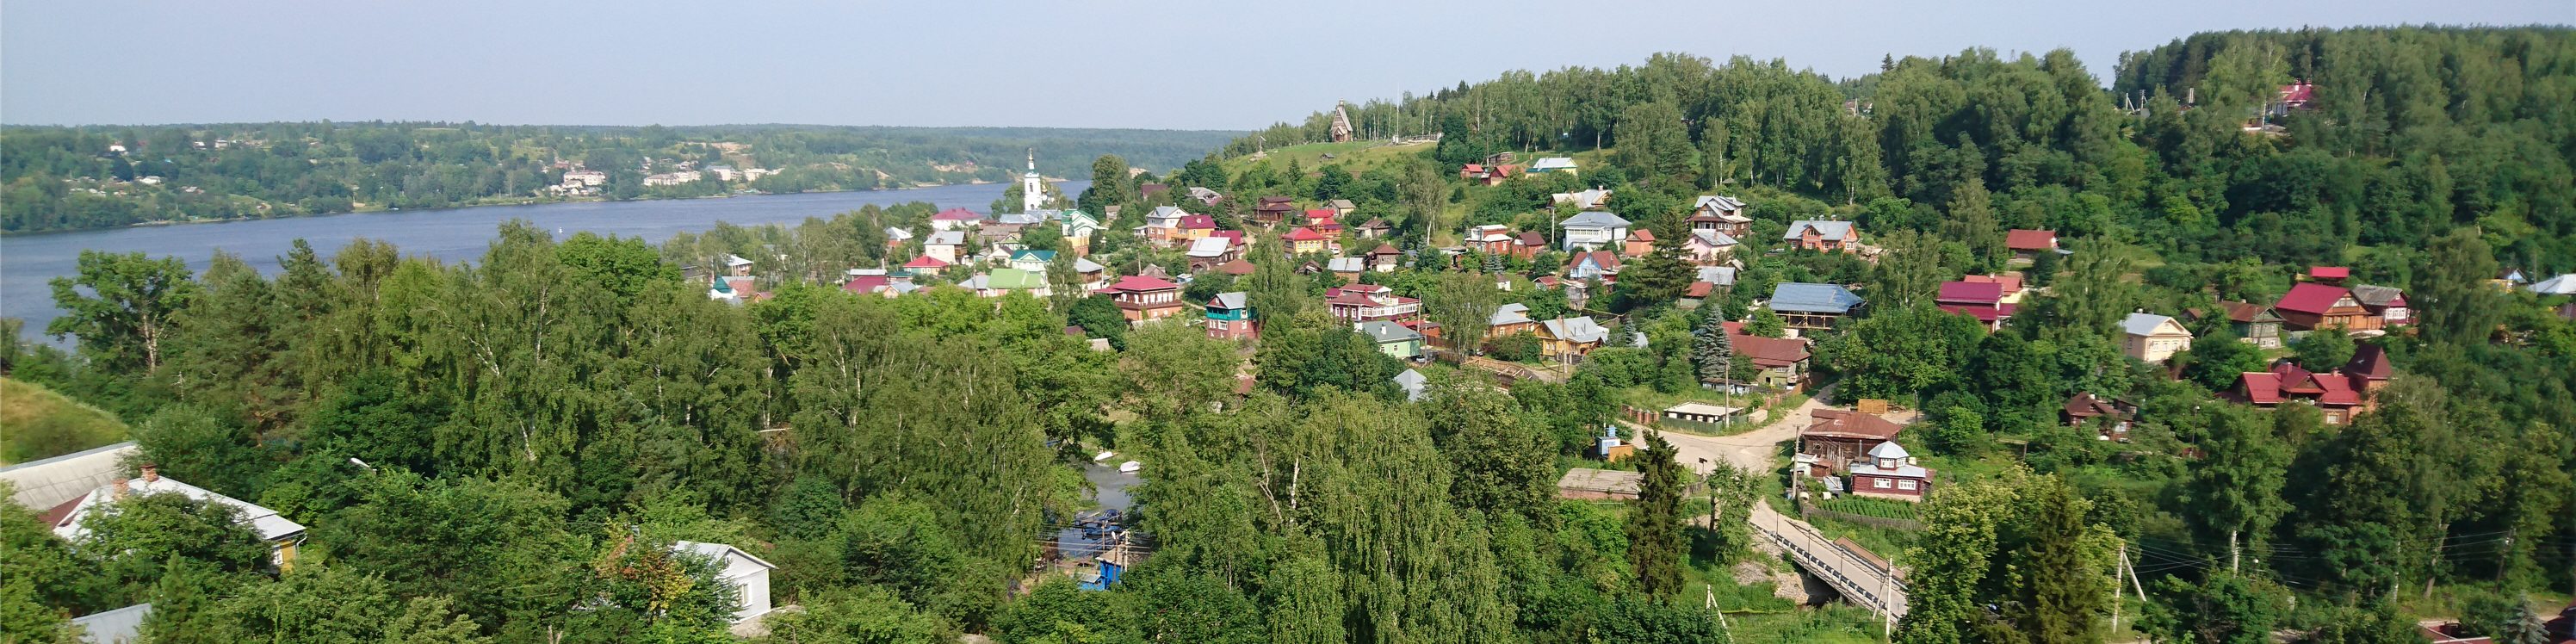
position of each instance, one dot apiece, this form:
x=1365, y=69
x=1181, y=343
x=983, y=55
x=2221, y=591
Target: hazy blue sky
x=1111, y=63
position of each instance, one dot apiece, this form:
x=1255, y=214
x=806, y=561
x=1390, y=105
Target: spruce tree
x=1654, y=522
x=1712, y=350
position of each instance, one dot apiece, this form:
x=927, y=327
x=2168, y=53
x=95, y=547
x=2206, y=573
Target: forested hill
x=2411, y=131
x=66, y=178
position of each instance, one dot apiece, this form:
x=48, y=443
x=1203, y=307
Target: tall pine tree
x=1712, y=350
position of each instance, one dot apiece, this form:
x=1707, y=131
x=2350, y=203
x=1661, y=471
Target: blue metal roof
x=1802, y=297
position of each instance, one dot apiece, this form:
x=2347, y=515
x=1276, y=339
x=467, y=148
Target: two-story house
x=1305, y=241
x=1567, y=340
x=2027, y=245
x=1370, y=303
x=2153, y=338
x=1145, y=299
x=1592, y=230
x=1721, y=214
x=1709, y=247
x=2311, y=306
x=1228, y=318
x=1600, y=265
x=1820, y=235
x=1981, y=300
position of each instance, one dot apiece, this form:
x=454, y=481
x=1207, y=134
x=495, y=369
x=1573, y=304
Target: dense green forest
x=69, y=178
x=532, y=417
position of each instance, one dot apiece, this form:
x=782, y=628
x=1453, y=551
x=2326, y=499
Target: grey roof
x=1721, y=201
x=2143, y=323
x=49, y=482
x=1412, y=382
x=1346, y=265
x=1513, y=313
x=735, y=260
x=1232, y=300
x=1341, y=204
x=1892, y=450
x=1593, y=219
x=1209, y=246
x=1085, y=265
x=1167, y=212
x=897, y=234
x=1385, y=332
x=949, y=237
x=1830, y=230
x=1020, y=218
x=1552, y=162
x=1719, y=275
x=2563, y=284
x=262, y=521
x=1581, y=329
x=2372, y=295
x=118, y=626
x=1803, y=297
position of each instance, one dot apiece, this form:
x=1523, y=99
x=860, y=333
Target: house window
x=1905, y=485
x=1878, y=483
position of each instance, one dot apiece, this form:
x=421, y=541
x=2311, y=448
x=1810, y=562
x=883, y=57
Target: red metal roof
x=1133, y=283
x=2025, y=239
x=2311, y=298
x=1322, y=213
x=1699, y=290
x=2260, y=387
x=925, y=261
x=1236, y=267
x=957, y=214
x=1196, y=222
x=1641, y=234
x=1304, y=234
x=1965, y=292
x=865, y=284
x=2329, y=272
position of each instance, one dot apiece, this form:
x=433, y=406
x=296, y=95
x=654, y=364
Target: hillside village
x=1747, y=354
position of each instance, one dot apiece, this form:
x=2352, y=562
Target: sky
x=1087, y=63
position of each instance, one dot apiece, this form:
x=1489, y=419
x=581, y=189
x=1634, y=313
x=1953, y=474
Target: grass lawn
x=37, y=423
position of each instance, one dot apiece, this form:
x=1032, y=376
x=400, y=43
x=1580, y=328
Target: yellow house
x=1567, y=340
x=2153, y=338
x=1304, y=241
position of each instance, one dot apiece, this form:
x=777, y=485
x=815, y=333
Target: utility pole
x=2117, y=571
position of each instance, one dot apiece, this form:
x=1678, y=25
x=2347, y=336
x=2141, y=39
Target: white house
x=1078, y=224
x=282, y=535
x=1593, y=230
x=748, y=575
x=944, y=245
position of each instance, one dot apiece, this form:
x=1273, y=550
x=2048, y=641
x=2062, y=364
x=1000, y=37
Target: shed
x=120, y=626
x=1701, y=416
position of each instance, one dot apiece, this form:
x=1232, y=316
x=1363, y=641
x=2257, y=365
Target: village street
x=1752, y=451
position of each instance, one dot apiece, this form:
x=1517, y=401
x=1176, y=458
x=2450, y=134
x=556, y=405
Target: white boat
x=1103, y=456
x=1130, y=467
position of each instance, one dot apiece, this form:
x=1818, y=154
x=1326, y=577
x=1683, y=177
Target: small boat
x=1130, y=467
x=1103, y=456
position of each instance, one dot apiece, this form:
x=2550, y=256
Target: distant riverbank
x=28, y=261
x=491, y=204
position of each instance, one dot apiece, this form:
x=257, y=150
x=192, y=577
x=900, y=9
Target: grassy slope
x=37, y=423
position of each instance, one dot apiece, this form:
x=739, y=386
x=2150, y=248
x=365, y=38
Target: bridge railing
x=1836, y=567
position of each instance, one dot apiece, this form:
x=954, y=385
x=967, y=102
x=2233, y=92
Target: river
x=27, y=262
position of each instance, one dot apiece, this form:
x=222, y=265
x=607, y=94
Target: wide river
x=27, y=262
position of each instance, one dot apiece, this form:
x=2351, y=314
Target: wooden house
x=2027, y=245
x=1567, y=340
x=1836, y=437
x=1228, y=318
x=1889, y=472
x=2311, y=306
x=1720, y=214
x=1820, y=235
x=1812, y=306
x=1273, y=211
x=2083, y=407
x=1145, y=299
x=2253, y=323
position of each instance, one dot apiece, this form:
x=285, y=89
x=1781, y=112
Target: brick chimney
x=120, y=490
x=151, y=472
